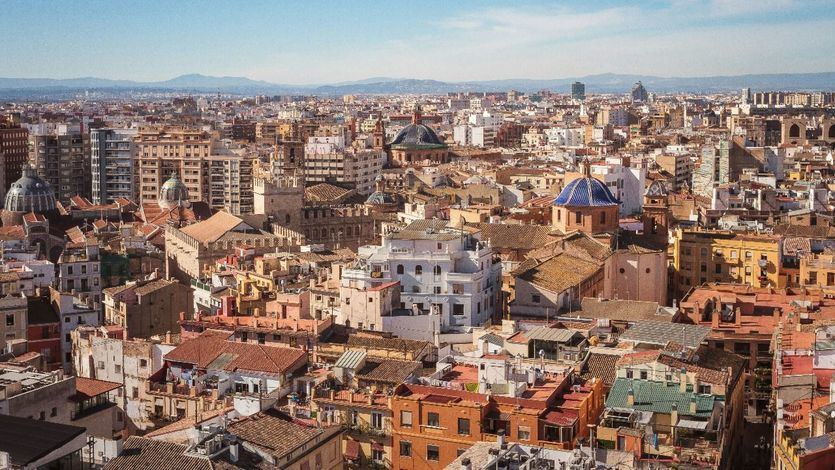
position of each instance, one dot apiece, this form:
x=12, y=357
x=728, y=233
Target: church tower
x=379, y=134
x=656, y=214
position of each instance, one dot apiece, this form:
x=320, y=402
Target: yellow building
x=817, y=270
x=367, y=441
x=702, y=256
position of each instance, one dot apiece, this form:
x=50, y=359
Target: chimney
x=168, y=337
x=465, y=464
x=500, y=439
x=630, y=397
x=484, y=347
x=234, y=452
x=674, y=414
x=683, y=381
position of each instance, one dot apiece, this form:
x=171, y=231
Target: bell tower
x=379, y=134
x=656, y=213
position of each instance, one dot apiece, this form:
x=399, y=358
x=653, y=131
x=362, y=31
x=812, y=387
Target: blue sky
x=330, y=41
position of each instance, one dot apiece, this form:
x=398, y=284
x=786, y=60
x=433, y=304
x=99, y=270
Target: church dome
x=173, y=193
x=380, y=197
x=417, y=136
x=586, y=192
x=30, y=194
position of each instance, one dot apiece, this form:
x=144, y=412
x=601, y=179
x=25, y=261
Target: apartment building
x=327, y=159
x=441, y=272
x=61, y=156
x=111, y=162
x=701, y=256
x=14, y=151
x=147, y=308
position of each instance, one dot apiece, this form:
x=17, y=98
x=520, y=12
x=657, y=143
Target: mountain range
x=602, y=83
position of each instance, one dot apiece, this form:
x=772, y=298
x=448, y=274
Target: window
x=578, y=217
x=10, y=319
x=629, y=374
x=376, y=420
x=399, y=269
x=457, y=309
x=718, y=268
x=602, y=217
x=524, y=433
x=643, y=375
x=433, y=420
x=54, y=412
x=704, y=389
x=464, y=426
x=418, y=270
x=405, y=448
x=535, y=298
x=433, y=453
x=143, y=363
x=406, y=418
x=135, y=392
x=376, y=455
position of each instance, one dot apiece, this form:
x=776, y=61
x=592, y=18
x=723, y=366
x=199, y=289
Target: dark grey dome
x=30, y=194
x=173, y=193
x=417, y=136
x=380, y=197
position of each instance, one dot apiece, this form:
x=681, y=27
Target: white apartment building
x=441, y=271
x=327, y=159
x=625, y=182
x=566, y=136
x=111, y=162
x=479, y=131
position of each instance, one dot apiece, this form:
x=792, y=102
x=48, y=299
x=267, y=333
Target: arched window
x=794, y=131
x=437, y=271
x=418, y=270
x=399, y=269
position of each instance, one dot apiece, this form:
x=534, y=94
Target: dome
x=417, y=136
x=380, y=197
x=172, y=193
x=30, y=194
x=586, y=192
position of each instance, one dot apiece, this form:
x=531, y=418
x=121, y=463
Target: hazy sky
x=312, y=41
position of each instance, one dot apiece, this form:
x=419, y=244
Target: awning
x=352, y=449
x=377, y=446
x=691, y=424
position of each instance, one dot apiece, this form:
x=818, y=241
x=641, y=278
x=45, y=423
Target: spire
x=586, y=168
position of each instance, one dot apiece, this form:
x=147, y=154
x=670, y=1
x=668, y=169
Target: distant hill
x=602, y=83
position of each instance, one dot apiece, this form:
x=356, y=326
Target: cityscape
x=470, y=236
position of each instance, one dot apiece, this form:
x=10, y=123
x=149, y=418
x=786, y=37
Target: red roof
x=352, y=449
x=212, y=349
x=88, y=388
x=560, y=418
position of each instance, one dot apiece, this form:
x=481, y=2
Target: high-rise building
x=219, y=174
x=329, y=160
x=639, y=93
x=62, y=158
x=746, y=96
x=14, y=151
x=163, y=152
x=578, y=91
x=111, y=161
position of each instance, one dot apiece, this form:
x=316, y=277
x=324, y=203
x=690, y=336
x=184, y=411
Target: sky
x=315, y=42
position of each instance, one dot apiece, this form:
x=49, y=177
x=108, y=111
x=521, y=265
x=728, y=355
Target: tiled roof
x=658, y=397
x=324, y=192
x=526, y=237
x=560, y=272
x=626, y=310
x=212, y=350
x=601, y=366
x=661, y=333
x=142, y=453
x=213, y=228
x=396, y=344
x=388, y=371
x=586, y=192
x=89, y=388
x=276, y=432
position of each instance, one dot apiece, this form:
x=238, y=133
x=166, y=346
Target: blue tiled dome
x=417, y=135
x=586, y=192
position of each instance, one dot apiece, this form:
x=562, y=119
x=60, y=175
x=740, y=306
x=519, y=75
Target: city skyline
x=317, y=43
